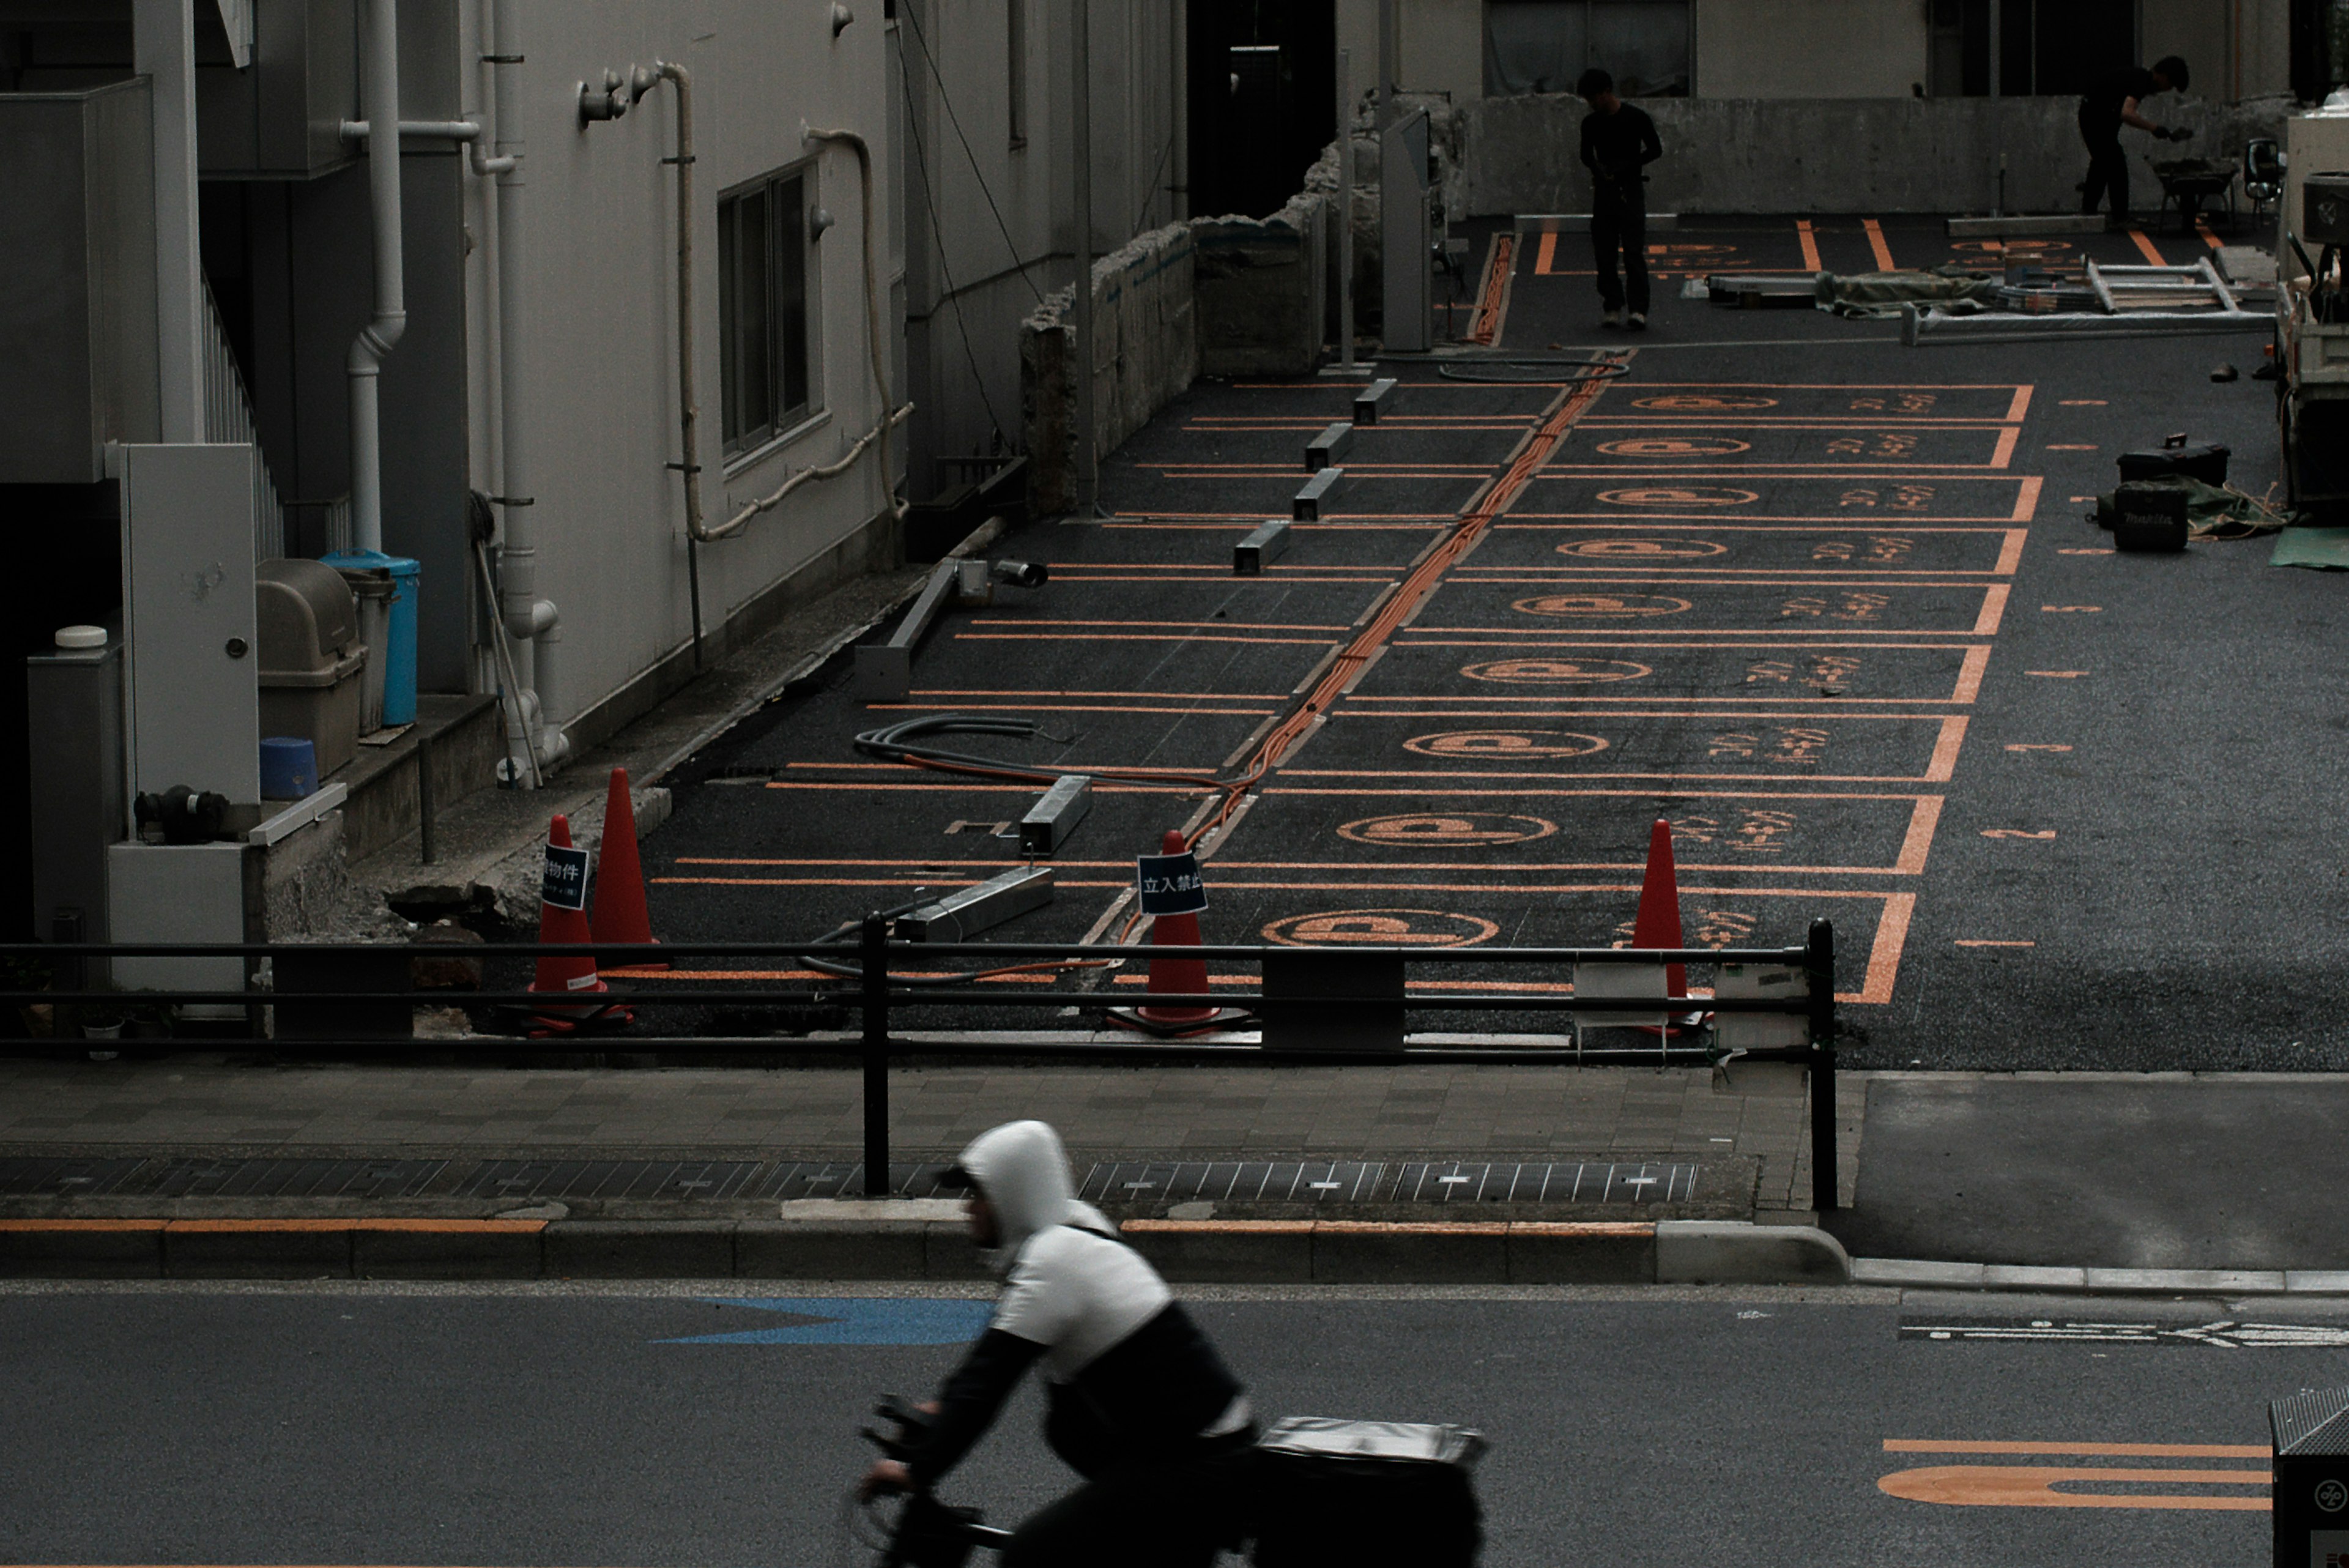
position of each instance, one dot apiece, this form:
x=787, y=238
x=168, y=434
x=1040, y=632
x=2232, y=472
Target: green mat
x=2326, y=549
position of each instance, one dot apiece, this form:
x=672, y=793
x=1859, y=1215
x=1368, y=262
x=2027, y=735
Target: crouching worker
x=1138, y=1401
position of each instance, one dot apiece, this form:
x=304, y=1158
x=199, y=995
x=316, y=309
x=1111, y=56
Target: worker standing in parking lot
x=1619, y=142
x=2111, y=104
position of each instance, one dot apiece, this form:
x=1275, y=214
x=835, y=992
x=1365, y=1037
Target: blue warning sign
x=565, y=883
x=1170, y=883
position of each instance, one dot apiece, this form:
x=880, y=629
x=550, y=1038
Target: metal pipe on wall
x=379, y=70
x=527, y=619
x=874, y=341
x=688, y=399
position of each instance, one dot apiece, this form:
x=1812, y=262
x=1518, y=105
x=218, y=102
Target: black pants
x=1618, y=222
x=2108, y=166
x=1176, y=1515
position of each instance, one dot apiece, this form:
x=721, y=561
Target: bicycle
x=1328, y=1494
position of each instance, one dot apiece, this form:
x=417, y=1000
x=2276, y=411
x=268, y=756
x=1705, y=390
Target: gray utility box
x=77, y=281
x=2311, y=1505
x=313, y=663
x=282, y=116
x=74, y=701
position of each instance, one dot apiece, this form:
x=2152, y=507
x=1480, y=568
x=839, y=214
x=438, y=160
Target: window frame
x=788, y=357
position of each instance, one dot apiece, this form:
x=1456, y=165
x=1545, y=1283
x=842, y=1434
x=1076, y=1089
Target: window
x=1015, y=32
x=767, y=370
x=1543, y=45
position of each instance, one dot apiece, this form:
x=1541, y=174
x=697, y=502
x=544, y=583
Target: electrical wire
x=930, y=201
x=913, y=15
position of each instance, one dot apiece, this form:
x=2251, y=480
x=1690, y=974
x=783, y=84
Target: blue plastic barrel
x=289, y=768
x=400, y=635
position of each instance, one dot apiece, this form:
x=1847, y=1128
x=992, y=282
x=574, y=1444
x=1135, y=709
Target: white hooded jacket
x=1129, y=1378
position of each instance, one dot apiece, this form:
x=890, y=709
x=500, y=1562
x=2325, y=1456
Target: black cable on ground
x=1518, y=372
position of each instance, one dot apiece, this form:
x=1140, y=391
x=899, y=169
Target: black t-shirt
x=2104, y=101
x=1616, y=147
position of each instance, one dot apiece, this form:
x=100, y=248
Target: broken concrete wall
x=1835, y=155
x=1262, y=284
x=1146, y=351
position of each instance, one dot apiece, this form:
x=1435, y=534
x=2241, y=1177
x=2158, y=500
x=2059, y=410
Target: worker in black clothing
x=1618, y=142
x=2111, y=104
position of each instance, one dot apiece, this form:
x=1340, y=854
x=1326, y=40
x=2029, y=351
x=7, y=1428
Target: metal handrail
x=874, y=991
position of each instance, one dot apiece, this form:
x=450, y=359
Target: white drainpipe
x=379, y=49
x=530, y=620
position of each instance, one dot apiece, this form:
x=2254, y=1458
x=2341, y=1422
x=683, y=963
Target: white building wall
x=601, y=314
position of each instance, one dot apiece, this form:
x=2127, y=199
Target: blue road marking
x=853, y=1320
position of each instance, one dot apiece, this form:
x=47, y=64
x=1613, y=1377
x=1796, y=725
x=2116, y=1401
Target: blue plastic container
x=289, y=768
x=399, y=653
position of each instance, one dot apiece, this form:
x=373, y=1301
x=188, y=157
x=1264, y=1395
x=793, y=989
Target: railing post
x=1818, y=963
x=876, y=940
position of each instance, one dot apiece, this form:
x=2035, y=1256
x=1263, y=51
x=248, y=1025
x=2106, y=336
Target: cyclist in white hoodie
x=1138, y=1401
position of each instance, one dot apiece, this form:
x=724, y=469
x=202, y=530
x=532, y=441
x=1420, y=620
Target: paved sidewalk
x=189, y=1104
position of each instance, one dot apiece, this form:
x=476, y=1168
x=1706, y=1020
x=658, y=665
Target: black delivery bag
x=1367, y=1494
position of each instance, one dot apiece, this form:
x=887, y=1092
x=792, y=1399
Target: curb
x=854, y=1245
x=1914, y=1274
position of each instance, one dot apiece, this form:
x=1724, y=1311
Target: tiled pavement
x=1449, y=1111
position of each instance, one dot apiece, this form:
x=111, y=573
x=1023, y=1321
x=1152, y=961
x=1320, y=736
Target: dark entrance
x=1263, y=75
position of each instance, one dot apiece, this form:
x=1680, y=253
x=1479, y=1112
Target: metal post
x=1387, y=52
x=876, y=942
x=1345, y=210
x=1081, y=128
x=1819, y=964
x=1997, y=109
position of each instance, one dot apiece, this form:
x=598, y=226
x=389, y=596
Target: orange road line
x=2010, y=555
x=1203, y=625
x=1994, y=608
x=1625, y=774
x=2021, y=404
x=1945, y=749
x=1362, y=522
x=1917, y=843
x=1970, y=675
x=2146, y=248
x=1989, y=942
x=1609, y=794
x=1884, y=952
x=1095, y=769
x=1848, y=519
x=2102, y=1450
x=1101, y=786
x=2032, y=1486
x=1876, y=243
x=1133, y=637
x=1547, y=254
x=1208, y=696
x=2058, y=674
x=1837, y=385
x=2004, y=452
x=1090, y=708
x=1810, y=244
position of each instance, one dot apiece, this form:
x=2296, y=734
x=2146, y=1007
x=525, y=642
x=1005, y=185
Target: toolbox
x=2204, y=461
x=2149, y=516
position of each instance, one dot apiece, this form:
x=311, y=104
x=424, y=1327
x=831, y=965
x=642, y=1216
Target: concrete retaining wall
x=1833, y=155
x=1261, y=289
x=1146, y=351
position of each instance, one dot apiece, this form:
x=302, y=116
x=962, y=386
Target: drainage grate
x=36, y=1176
x=655, y=1180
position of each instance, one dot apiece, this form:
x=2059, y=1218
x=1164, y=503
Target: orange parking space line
x=35, y=1226
x=1101, y=786
x=1810, y=244
x=1970, y=674
x=1164, y=696
x=1134, y=636
x=1203, y=625
x=1945, y=749
x=1918, y=842
x=1994, y=610
x=1186, y=712
x=1876, y=243
x=2009, y=554
x=2148, y=249
x=2003, y=453
x=1545, y=257
x=1884, y=954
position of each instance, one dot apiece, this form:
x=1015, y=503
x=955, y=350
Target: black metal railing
x=330, y=1010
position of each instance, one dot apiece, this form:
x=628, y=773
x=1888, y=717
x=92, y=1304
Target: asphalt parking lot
x=1827, y=605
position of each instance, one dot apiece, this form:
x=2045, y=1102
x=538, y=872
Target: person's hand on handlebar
x=885, y=1479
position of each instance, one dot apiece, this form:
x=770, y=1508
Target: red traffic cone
x=563, y=918
x=620, y=915
x=1171, y=976
x=1658, y=924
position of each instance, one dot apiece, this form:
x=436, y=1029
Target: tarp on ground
x=1869, y=295
x=2324, y=549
